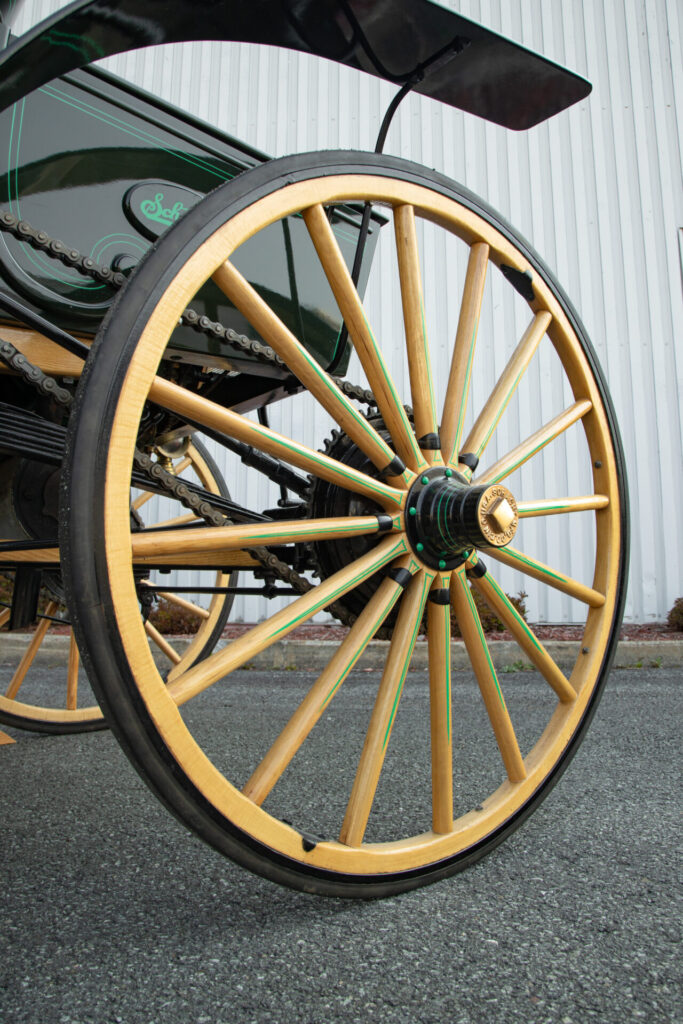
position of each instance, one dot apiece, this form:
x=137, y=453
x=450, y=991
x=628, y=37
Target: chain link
x=33, y=375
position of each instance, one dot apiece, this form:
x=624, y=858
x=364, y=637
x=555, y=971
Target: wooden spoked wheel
x=28, y=704
x=420, y=513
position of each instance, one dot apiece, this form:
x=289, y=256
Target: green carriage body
x=107, y=168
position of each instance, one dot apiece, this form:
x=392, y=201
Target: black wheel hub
x=446, y=516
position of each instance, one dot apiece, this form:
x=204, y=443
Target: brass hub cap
x=446, y=516
x=497, y=515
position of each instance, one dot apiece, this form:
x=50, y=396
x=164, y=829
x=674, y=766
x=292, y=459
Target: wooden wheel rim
x=510, y=798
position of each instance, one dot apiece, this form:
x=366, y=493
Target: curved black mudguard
x=477, y=70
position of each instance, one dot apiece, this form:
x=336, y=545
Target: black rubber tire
x=82, y=536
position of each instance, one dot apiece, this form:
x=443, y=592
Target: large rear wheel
x=407, y=510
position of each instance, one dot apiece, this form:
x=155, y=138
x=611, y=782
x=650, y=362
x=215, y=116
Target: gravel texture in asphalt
x=112, y=912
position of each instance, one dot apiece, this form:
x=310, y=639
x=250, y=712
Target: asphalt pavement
x=113, y=912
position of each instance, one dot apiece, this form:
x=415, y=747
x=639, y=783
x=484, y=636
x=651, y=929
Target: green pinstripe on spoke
x=410, y=436
x=200, y=677
x=306, y=533
x=425, y=347
x=532, y=508
x=338, y=395
x=339, y=467
x=343, y=589
x=527, y=509
x=445, y=581
x=545, y=434
x=176, y=399
x=329, y=384
x=262, y=317
x=379, y=619
x=518, y=618
x=576, y=590
x=485, y=478
x=290, y=532
x=515, y=465
x=448, y=679
x=499, y=399
x=496, y=421
x=477, y=621
x=465, y=391
x=536, y=566
x=426, y=584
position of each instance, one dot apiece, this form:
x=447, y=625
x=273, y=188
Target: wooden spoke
x=46, y=556
x=530, y=567
x=157, y=544
x=161, y=642
x=458, y=388
x=535, y=443
x=439, y=639
x=190, y=517
x=4, y=616
x=477, y=649
x=480, y=434
x=189, y=606
x=558, y=506
x=72, y=675
x=199, y=678
x=184, y=464
x=201, y=410
x=326, y=687
x=419, y=363
x=142, y=499
x=304, y=366
x=31, y=650
x=206, y=559
x=384, y=711
x=498, y=600
x=372, y=360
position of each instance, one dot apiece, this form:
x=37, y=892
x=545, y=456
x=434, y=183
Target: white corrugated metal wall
x=597, y=190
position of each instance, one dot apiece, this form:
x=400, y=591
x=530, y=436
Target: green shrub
x=675, y=617
x=172, y=619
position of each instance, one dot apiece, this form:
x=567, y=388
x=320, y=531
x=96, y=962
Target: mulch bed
x=655, y=631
